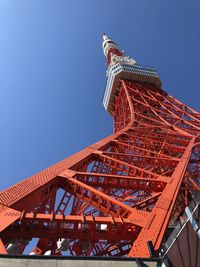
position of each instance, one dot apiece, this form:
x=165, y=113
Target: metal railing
x=179, y=226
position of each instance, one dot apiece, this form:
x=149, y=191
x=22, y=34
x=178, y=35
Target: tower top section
x=113, y=53
x=122, y=67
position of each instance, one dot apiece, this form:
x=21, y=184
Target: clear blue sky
x=52, y=70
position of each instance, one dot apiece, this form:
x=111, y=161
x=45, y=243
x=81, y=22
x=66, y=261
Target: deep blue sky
x=52, y=70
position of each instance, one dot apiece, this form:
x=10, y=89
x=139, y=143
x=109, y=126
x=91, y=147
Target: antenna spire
x=105, y=37
x=113, y=53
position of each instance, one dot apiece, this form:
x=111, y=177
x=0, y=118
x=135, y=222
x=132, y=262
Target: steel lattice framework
x=116, y=194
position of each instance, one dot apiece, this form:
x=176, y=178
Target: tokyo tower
x=122, y=195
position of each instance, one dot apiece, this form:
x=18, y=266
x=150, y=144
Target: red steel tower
x=119, y=196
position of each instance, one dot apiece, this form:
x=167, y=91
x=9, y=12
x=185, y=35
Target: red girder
x=120, y=181
x=73, y=226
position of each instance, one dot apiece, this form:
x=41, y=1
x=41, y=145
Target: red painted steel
x=118, y=193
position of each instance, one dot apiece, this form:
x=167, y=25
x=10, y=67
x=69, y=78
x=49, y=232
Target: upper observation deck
x=119, y=72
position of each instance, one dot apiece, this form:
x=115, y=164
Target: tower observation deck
x=123, y=195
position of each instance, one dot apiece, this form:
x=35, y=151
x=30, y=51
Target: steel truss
x=118, y=193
